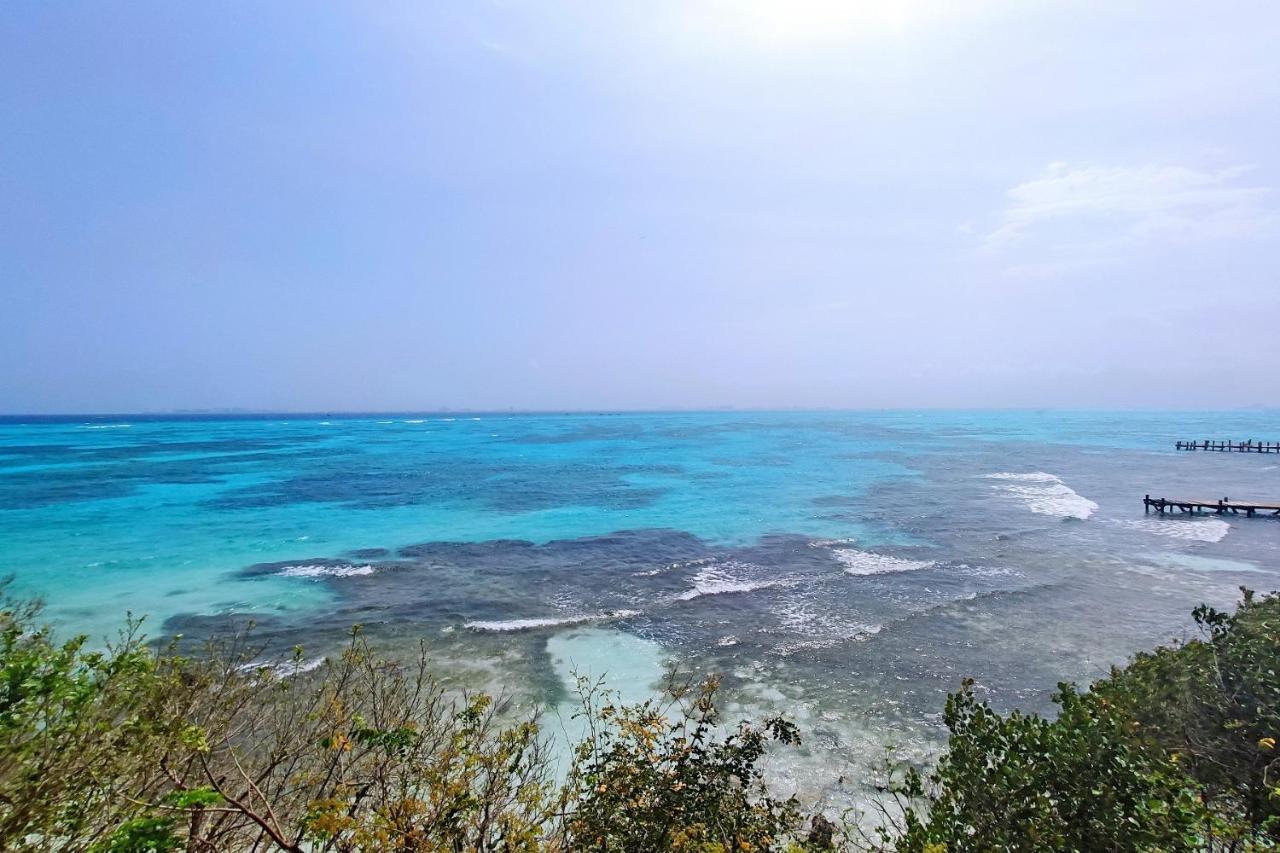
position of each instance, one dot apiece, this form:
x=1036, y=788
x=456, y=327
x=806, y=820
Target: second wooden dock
x=1230, y=446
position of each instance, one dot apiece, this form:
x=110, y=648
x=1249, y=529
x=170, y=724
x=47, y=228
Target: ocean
x=845, y=568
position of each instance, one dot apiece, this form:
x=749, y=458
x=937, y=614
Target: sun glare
x=805, y=22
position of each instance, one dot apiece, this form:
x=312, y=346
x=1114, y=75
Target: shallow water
x=846, y=567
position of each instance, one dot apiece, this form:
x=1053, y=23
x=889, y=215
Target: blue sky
x=324, y=206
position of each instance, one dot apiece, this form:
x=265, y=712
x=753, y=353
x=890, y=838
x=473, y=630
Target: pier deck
x=1219, y=507
x=1250, y=446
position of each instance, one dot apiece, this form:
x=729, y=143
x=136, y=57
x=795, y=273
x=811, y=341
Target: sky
x=664, y=204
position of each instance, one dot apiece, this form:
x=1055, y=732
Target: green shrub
x=129, y=750
x=1175, y=751
x=1024, y=783
x=363, y=754
x=660, y=776
x=134, y=750
x=76, y=732
x=1213, y=706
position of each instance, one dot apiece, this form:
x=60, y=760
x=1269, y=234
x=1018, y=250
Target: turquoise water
x=158, y=515
x=848, y=567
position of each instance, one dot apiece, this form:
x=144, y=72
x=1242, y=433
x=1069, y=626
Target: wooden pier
x=1231, y=446
x=1221, y=507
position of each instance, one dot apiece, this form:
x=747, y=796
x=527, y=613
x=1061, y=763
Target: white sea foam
x=1197, y=563
x=416, y=421
x=855, y=634
x=815, y=627
x=106, y=426
x=678, y=564
x=1191, y=529
x=859, y=563
x=503, y=625
x=284, y=668
x=832, y=543
x=318, y=570
x=292, y=668
x=720, y=579
x=1045, y=494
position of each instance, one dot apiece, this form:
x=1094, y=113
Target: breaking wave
x=547, y=621
x=679, y=564
x=284, y=669
x=320, y=570
x=1045, y=494
x=832, y=543
x=859, y=563
x=718, y=580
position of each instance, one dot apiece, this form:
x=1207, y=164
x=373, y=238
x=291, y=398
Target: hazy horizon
x=892, y=204
x=231, y=413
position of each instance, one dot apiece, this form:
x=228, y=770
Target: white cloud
x=1090, y=214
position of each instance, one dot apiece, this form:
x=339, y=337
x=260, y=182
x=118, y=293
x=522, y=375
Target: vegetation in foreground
x=130, y=749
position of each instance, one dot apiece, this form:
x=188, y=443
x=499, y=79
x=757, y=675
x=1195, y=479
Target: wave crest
x=860, y=563
x=320, y=570
x=504, y=625
x=1045, y=494
x=719, y=579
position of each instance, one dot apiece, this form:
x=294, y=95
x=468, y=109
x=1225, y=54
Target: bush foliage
x=657, y=777
x=137, y=750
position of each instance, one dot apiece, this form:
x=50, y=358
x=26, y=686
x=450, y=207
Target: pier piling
x=1250, y=446
x=1218, y=507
